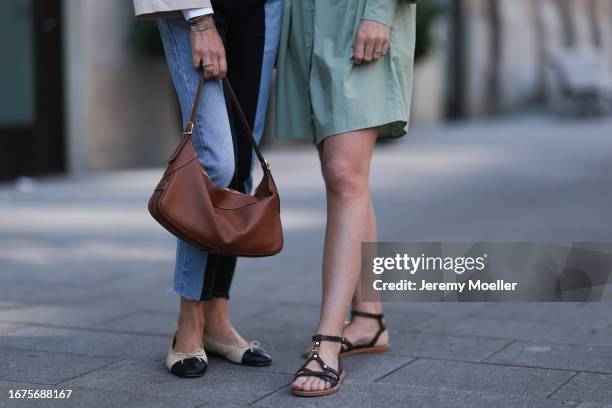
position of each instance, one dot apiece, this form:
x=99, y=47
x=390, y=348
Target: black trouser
x=241, y=24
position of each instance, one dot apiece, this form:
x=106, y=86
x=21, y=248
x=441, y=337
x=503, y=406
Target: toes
x=309, y=384
x=305, y=384
x=314, y=385
x=298, y=384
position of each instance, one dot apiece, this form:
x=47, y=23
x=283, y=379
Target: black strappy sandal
x=349, y=349
x=333, y=377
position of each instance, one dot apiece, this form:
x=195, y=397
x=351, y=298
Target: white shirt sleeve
x=197, y=12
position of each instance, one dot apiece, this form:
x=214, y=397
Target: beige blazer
x=166, y=8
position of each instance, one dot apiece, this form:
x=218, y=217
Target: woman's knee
x=343, y=177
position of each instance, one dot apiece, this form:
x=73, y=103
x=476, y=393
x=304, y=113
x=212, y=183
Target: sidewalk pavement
x=85, y=275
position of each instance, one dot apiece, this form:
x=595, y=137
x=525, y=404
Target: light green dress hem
x=387, y=129
x=320, y=92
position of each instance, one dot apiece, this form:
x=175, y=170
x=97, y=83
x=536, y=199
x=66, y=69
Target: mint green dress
x=320, y=92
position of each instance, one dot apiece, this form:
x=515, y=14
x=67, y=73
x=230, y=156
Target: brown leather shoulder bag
x=188, y=204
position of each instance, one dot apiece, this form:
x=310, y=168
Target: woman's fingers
x=368, y=55
x=207, y=64
x=358, y=50
x=215, y=68
x=222, y=66
x=371, y=41
x=197, y=60
x=385, y=47
x=379, y=48
x=208, y=52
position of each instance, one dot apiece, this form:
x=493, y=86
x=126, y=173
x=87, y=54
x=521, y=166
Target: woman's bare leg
x=361, y=330
x=218, y=324
x=345, y=162
x=190, y=326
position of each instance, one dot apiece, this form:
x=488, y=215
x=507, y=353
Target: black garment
x=241, y=24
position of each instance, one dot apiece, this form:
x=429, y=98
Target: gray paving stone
x=567, y=331
x=593, y=314
x=588, y=388
x=164, y=323
x=438, y=309
x=146, y=322
x=134, y=298
x=217, y=387
x=87, y=342
x=537, y=383
x=554, y=356
x=54, y=262
x=10, y=327
x=10, y=305
x=391, y=396
x=81, y=397
x=41, y=293
x=599, y=337
x=465, y=348
x=371, y=367
x=401, y=317
x=45, y=367
x=69, y=316
x=301, y=286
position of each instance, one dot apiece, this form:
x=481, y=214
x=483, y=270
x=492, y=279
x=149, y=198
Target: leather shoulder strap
x=241, y=117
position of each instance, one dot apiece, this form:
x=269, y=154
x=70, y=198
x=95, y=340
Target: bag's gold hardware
x=188, y=129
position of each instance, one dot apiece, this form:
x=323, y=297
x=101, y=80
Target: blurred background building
x=85, y=87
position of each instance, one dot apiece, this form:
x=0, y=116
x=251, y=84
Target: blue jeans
x=250, y=30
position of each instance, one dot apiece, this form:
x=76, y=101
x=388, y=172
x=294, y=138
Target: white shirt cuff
x=197, y=12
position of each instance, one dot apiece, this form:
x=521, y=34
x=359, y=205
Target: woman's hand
x=207, y=50
x=371, y=41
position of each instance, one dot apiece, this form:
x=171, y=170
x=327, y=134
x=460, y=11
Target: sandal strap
x=380, y=317
x=331, y=378
x=318, y=338
x=328, y=374
x=347, y=345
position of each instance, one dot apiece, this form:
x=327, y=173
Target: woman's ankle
x=190, y=325
x=217, y=310
x=188, y=337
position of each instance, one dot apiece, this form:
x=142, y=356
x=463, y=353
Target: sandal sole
x=366, y=350
x=323, y=393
